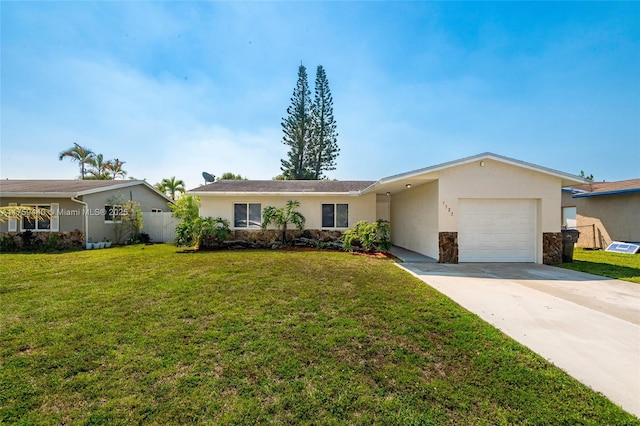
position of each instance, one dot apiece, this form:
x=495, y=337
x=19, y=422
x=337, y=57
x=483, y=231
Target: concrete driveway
x=587, y=325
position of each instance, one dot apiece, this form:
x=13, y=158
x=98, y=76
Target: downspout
x=85, y=213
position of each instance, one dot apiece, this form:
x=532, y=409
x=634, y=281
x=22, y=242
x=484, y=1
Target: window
x=156, y=210
x=335, y=215
x=569, y=217
x=247, y=215
x=41, y=224
x=113, y=213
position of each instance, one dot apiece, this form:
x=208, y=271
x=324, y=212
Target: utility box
x=569, y=239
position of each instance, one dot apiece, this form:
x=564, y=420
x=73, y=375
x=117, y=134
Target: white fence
x=161, y=227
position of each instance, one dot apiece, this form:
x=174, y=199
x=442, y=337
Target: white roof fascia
x=466, y=160
x=37, y=194
x=157, y=191
x=124, y=185
x=536, y=168
x=273, y=194
x=85, y=192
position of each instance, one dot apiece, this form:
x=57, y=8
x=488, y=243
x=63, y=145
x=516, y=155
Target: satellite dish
x=208, y=177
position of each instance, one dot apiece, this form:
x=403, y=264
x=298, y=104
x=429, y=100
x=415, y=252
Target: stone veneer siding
x=448, y=243
x=551, y=248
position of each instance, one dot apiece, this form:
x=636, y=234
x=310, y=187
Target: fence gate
x=160, y=226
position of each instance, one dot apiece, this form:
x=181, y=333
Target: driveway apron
x=587, y=325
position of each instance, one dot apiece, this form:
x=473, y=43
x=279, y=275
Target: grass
x=607, y=264
x=145, y=335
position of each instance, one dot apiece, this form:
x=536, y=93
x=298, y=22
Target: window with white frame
x=156, y=210
x=37, y=224
x=335, y=215
x=247, y=215
x=113, y=214
x=569, y=215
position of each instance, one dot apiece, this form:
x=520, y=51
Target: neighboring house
x=485, y=208
x=603, y=212
x=89, y=206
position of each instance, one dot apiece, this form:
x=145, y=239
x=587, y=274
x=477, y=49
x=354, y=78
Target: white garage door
x=491, y=230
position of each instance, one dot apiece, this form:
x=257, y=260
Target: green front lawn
x=144, y=334
x=613, y=265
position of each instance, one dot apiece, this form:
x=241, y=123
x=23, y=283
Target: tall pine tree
x=324, y=138
x=297, y=131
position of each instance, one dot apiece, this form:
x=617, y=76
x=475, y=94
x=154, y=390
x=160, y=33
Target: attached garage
x=485, y=208
x=497, y=230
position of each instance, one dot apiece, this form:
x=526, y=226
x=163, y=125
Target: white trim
x=36, y=205
x=13, y=223
x=125, y=184
x=335, y=216
x=113, y=207
x=273, y=194
x=75, y=194
x=233, y=213
x=37, y=194
x=567, y=179
x=54, y=224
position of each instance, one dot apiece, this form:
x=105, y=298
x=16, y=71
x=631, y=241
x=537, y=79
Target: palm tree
x=281, y=217
x=161, y=187
x=171, y=186
x=80, y=154
x=115, y=168
x=100, y=168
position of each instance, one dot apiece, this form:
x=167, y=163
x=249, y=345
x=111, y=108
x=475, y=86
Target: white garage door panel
x=497, y=230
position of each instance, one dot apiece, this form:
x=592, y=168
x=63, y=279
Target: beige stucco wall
x=418, y=214
x=383, y=207
x=360, y=208
x=566, y=200
x=147, y=198
x=414, y=219
x=498, y=180
x=604, y=219
x=69, y=213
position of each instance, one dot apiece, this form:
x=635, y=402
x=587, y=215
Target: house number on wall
x=447, y=207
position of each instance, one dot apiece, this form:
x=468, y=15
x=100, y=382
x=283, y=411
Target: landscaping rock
x=271, y=239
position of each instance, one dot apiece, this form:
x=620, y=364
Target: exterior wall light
x=482, y=164
x=408, y=185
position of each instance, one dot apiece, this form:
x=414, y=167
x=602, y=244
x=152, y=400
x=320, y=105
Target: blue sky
x=177, y=88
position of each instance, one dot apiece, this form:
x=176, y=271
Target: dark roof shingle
x=47, y=186
x=285, y=186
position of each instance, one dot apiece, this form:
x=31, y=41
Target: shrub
x=7, y=244
x=283, y=216
x=194, y=229
x=130, y=224
x=139, y=237
x=370, y=236
x=213, y=229
x=53, y=242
